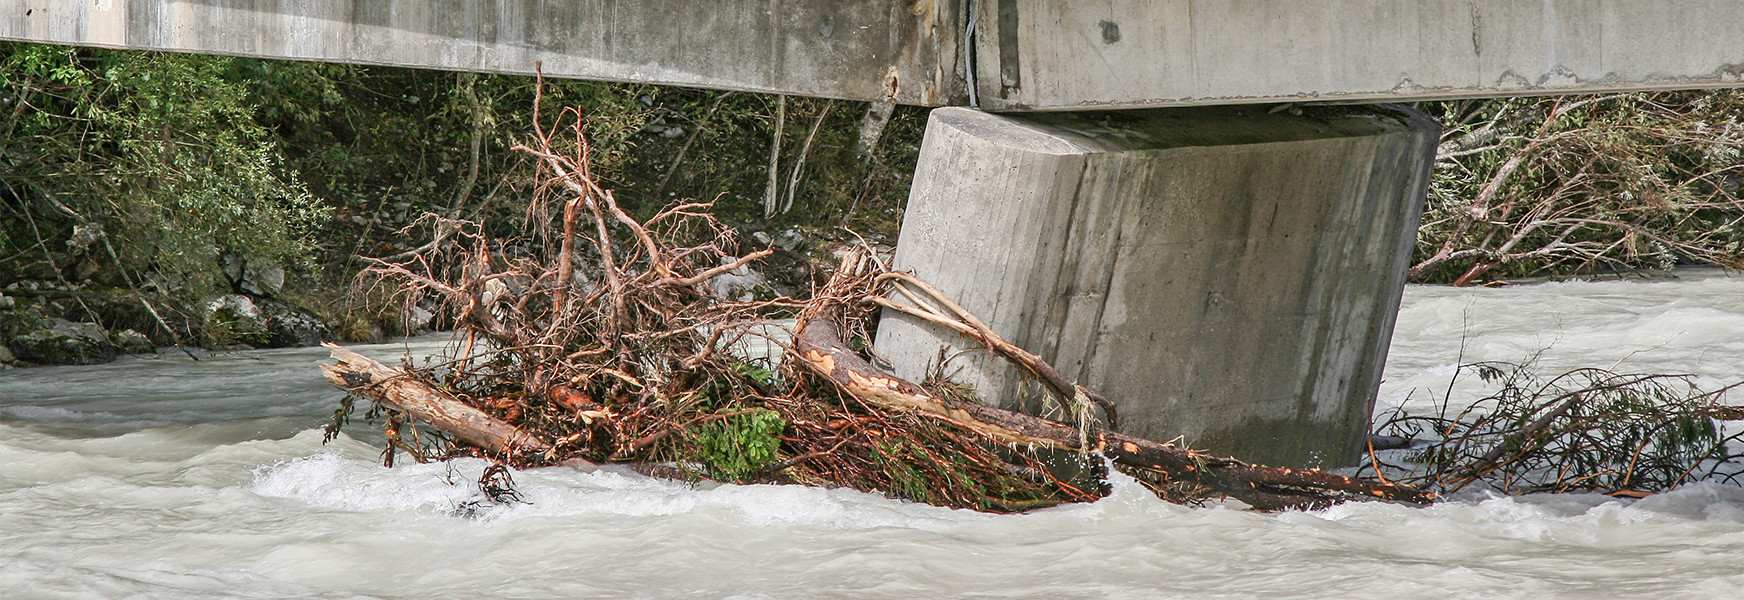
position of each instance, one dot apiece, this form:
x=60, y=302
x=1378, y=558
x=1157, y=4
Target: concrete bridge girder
x=1027, y=54
x=876, y=50
x=1062, y=55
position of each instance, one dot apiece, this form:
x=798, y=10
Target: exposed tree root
x=598, y=337
x=821, y=349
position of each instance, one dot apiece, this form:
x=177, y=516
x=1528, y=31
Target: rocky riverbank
x=45, y=322
x=40, y=330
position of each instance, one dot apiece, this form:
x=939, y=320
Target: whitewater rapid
x=165, y=477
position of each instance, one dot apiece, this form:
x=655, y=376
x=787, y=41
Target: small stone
x=262, y=278
x=418, y=320
x=64, y=342
x=790, y=240
x=234, y=319
x=287, y=327
x=233, y=267
x=83, y=236
x=237, y=305
x=128, y=341
x=741, y=285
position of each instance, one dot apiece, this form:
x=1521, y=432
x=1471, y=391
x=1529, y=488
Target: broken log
x=820, y=349
x=400, y=390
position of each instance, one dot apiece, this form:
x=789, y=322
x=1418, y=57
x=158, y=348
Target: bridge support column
x=1230, y=275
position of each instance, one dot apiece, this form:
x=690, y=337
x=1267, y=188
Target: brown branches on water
x=1587, y=430
x=404, y=392
x=820, y=348
x=598, y=337
x=1579, y=184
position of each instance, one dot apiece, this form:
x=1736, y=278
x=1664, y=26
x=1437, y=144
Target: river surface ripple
x=163, y=477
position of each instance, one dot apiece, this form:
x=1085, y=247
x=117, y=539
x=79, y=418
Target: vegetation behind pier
x=201, y=199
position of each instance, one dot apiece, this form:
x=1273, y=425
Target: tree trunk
x=820, y=349
x=404, y=392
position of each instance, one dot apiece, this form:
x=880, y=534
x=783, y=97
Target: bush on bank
x=139, y=171
x=129, y=176
x=135, y=187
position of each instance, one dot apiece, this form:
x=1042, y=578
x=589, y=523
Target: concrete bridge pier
x=1230, y=275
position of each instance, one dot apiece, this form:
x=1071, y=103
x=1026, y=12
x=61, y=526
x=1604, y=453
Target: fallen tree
x=404, y=392
x=1586, y=430
x=820, y=349
x=597, y=337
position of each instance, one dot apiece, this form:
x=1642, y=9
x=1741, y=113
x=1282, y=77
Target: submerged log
x=404, y=392
x=820, y=349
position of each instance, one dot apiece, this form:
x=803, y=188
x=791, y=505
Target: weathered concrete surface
x=1029, y=54
x=1064, y=54
x=1227, y=275
x=857, y=49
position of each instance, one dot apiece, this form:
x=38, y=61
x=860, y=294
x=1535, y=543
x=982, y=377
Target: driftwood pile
x=1586, y=430
x=598, y=338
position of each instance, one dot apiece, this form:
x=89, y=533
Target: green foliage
x=150, y=164
x=734, y=447
x=728, y=137
x=759, y=374
x=341, y=417
x=370, y=136
x=914, y=471
x=1584, y=430
x=903, y=463
x=154, y=165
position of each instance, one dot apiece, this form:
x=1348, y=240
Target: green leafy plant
x=734, y=447
x=147, y=167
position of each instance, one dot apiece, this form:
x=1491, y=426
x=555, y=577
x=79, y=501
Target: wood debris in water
x=605, y=343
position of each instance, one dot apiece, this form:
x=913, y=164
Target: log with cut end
x=401, y=391
x=821, y=350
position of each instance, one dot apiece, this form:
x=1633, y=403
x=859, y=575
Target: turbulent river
x=165, y=477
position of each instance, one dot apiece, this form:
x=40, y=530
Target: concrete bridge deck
x=1021, y=54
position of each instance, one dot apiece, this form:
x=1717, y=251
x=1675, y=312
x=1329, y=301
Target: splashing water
x=162, y=477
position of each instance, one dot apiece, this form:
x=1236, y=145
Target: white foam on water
x=167, y=489
x=1693, y=324
x=326, y=480
x=337, y=522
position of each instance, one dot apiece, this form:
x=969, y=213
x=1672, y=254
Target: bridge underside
x=854, y=49
x=1022, y=54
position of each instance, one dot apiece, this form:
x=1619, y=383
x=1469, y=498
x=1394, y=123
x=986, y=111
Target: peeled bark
x=404, y=392
x=820, y=349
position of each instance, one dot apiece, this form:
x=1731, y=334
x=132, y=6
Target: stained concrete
x=1070, y=54
x=1229, y=275
x=857, y=49
x=1028, y=54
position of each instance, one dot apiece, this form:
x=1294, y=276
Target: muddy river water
x=164, y=477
